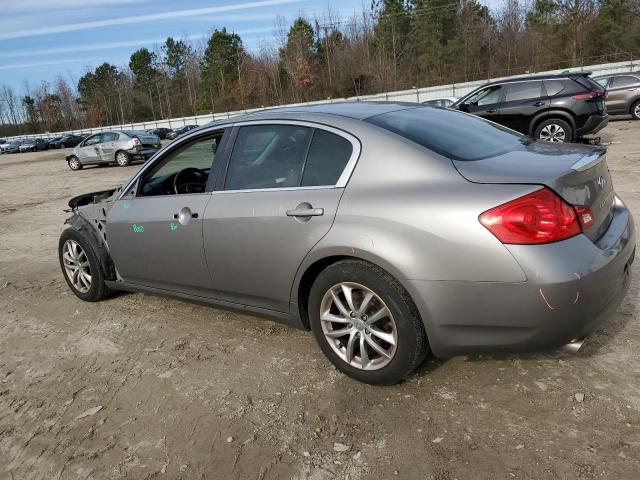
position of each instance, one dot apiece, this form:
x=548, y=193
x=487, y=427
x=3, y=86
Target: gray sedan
x=389, y=230
x=113, y=147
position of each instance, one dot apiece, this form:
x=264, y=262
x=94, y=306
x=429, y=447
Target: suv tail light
x=136, y=141
x=588, y=95
x=537, y=218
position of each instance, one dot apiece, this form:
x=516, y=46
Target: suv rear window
x=523, y=91
x=455, y=135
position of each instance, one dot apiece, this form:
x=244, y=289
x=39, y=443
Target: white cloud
x=113, y=45
x=44, y=64
x=71, y=27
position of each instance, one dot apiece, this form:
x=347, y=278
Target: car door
x=89, y=151
x=522, y=102
x=485, y=103
x=107, y=146
x=280, y=196
x=622, y=89
x=155, y=231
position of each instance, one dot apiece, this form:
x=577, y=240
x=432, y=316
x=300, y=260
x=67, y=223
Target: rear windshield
x=455, y=135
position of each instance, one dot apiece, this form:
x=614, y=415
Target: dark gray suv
x=623, y=93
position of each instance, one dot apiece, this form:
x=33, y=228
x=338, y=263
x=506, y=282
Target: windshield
x=453, y=134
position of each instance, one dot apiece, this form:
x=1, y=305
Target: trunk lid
x=578, y=173
x=149, y=140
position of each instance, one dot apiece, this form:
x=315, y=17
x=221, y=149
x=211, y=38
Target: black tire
x=554, y=125
x=635, y=110
x=412, y=345
x=74, y=163
x=98, y=290
x=122, y=158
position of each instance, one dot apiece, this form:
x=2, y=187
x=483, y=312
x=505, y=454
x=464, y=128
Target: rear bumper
x=143, y=154
x=572, y=287
x=594, y=124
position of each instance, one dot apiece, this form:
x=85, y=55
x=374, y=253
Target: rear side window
x=523, y=91
x=328, y=156
x=624, y=81
x=110, y=137
x=268, y=156
x=452, y=134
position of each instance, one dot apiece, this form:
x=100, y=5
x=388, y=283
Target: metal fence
x=413, y=95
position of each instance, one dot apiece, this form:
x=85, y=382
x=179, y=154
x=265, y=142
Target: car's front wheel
x=81, y=267
x=74, y=163
x=554, y=130
x=123, y=159
x=366, y=323
x=635, y=110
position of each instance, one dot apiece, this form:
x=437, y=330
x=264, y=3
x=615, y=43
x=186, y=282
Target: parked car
x=555, y=108
x=12, y=146
x=119, y=147
x=33, y=145
x=180, y=131
x=67, y=141
x=51, y=141
x=388, y=230
x=160, y=132
x=441, y=102
x=623, y=93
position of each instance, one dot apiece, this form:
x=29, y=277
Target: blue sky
x=41, y=39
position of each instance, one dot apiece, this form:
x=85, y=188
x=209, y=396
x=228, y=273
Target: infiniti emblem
x=602, y=181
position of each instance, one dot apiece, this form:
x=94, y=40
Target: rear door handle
x=305, y=212
x=492, y=110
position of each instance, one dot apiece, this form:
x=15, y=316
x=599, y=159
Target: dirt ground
x=144, y=387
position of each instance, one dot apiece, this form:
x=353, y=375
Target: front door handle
x=305, y=212
x=538, y=104
x=184, y=215
x=492, y=110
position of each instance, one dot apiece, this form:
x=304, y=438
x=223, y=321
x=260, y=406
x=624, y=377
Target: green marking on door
x=137, y=228
x=126, y=205
x=173, y=227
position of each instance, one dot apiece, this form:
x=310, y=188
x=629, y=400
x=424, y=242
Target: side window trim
x=342, y=180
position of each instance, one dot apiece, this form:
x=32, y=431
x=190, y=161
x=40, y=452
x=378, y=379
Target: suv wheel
x=123, y=159
x=635, y=110
x=366, y=323
x=74, y=163
x=554, y=130
x=81, y=267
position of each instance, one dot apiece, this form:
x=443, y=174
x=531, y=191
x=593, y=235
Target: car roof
x=635, y=74
x=550, y=76
x=351, y=110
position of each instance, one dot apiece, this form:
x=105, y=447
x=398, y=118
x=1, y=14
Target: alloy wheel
x=552, y=133
x=76, y=266
x=74, y=163
x=358, y=326
x=122, y=159
x=636, y=110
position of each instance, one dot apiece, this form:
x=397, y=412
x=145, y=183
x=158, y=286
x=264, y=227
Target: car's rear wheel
x=81, y=267
x=123, y=159
x=366, y=323
x=635, y=110
x=554, y=130
x=74, y=163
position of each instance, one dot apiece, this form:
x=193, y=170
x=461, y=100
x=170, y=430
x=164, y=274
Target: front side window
x=268, y=156
x=523, y=91
x=328, y=156
x=624, y=81
x=93, y=140
x=185, y=170
x=486, y=96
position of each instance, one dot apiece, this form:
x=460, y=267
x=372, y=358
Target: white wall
x=413, y=95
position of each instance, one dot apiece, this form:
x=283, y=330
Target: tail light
x=588, y=95
x=537, y=218
x=136, y=141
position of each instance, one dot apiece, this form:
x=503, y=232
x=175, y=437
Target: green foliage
x=142, y=64
x=175, y=55
x=221, y=60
